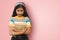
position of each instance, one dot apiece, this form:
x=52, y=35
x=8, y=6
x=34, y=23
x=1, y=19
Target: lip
x=20, y=14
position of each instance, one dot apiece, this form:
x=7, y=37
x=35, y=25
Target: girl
x=19, y=24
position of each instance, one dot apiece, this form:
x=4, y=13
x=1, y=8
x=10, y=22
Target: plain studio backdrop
x=44, y=14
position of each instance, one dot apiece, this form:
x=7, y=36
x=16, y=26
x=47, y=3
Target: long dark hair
x=18, y=6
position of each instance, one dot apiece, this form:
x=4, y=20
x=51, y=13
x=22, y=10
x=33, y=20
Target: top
x=13, y=20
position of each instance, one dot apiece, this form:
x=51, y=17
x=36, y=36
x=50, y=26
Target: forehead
x=20, y=8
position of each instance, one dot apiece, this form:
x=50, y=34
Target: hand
x=14, y=29
x=23, y=31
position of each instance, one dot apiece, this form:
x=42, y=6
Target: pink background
x=44, y=14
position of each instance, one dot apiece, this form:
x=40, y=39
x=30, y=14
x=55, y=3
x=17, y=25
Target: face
x=20, y=11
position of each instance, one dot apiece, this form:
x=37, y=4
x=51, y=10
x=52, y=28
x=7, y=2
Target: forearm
x=28, y=31
x=17, y=32
x=13, y=32
x=13, y=28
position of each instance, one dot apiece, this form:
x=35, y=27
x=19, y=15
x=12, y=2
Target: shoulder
x=27, y=17
x=12, y=19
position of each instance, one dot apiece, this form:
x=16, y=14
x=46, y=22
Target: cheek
x=16, y=12
x=22, y=12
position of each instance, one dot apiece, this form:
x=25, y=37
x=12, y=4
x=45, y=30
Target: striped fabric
x=22, y=21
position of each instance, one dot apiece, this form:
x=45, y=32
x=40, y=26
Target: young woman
x=19, y=24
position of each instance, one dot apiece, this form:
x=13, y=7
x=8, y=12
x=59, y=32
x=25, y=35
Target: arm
x=28, y=27
x=16, y=32
x=28, y=30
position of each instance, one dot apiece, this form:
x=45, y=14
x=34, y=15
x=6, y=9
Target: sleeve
x=28, y=22
x=11, y=22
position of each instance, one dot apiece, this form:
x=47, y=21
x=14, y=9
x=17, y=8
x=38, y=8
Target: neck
x=19, y=16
